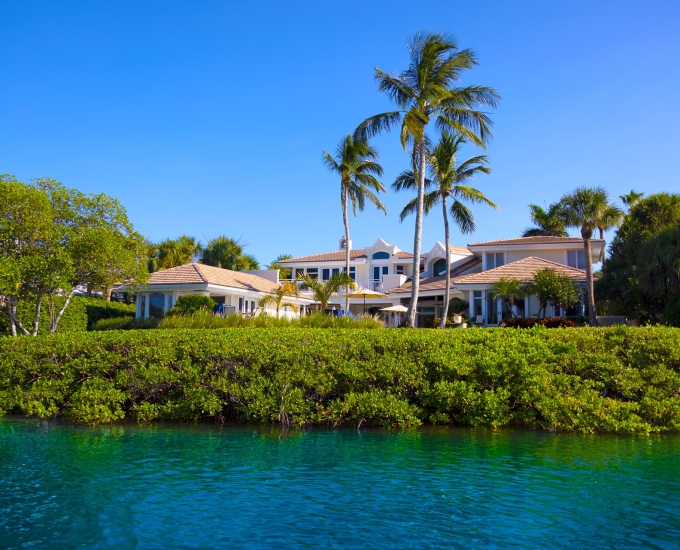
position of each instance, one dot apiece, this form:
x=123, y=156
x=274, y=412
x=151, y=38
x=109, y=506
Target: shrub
x=672, y=312
x=125, y=323
x=81, y=314
x=548, y=322
x=618, y=379
x=191, y=303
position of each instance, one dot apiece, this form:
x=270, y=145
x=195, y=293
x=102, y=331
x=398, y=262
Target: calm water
x=63, y=486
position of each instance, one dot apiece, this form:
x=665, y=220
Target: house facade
x=238, y=291
x=379, y=267
x=472, y=276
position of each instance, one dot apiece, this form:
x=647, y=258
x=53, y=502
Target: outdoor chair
x=479, y=321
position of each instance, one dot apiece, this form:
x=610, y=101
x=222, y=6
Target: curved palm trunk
x=345, y=219
x=415, y=287
x=587, y=235
x=447, y=292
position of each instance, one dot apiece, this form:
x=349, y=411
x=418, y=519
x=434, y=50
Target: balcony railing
x=370, y=284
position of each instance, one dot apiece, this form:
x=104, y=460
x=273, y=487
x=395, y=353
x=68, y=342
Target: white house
x=241, y=290
x=488, y=261
x=379, y=267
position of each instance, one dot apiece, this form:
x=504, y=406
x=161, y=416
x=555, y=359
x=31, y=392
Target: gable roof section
x=207, y=274
x=439, y=282
x=536, y=240
x=523, y=270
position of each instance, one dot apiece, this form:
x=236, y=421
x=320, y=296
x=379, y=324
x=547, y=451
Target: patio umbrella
x=365, y=293
x=395, y=309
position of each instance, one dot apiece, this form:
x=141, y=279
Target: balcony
x=370, y=284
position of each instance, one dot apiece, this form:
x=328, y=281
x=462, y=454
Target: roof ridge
x=195, y=266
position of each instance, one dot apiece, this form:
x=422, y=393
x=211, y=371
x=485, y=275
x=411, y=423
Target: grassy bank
x=590, y=380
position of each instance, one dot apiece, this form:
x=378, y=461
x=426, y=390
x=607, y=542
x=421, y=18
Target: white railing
x=370, y=284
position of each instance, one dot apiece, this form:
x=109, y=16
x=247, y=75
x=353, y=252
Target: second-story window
x=400, y=270
x=576, y=258
x=313, y=272
x=494, y=259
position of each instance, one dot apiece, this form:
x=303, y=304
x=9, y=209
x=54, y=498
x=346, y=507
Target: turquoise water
x=178, y=486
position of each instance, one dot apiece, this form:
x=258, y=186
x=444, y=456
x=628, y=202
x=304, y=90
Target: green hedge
x=80, y=315
x=619, y=379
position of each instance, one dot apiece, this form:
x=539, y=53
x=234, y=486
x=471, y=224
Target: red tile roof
x=206, y=274
x=536, y=240
x=523, y=270
x=439, y=282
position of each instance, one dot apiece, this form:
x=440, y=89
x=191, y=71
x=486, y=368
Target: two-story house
x=379, y=267
x=472, y=276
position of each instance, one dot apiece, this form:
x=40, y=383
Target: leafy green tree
x=547, y=223
x=508, y=290
x=447, y=181
x=621, y=284
x=553, y=289
x=228, y=253
x=324, y=290
x=69, y=239
x=33, y=263
x=284, y=272
x=355, y=163
x=587, y=209
x=631, y=199
x=174, y=252
x=284, y=290
x=425, y=94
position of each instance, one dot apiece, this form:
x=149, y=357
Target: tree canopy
x=228, y=253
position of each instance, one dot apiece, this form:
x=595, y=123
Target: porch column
x=484, y=316
x=499, y=310
x=146, y=306
x=582, y=304
x=138, y=307
x=527, y=313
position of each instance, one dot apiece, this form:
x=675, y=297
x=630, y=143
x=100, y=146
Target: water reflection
x=63, y=486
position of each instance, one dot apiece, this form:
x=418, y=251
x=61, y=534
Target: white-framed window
x=400, y=269
x=576, y=259
x=494, y=259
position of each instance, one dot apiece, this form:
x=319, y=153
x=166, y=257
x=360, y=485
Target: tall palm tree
x=448, y=179
x=587, y=209
x=175, y=252
x=425, y=94
x=228, y=254
x=547, y=223
x=324, y=290
x=355, y=163
x=284, y=272
x=284, y=290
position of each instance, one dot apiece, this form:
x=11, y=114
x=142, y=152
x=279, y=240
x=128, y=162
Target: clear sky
x=209, y=118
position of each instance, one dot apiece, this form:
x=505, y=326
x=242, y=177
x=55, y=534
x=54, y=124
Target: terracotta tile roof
x=339, y=255
x=460, y=250
x=523, y=270
x=536, y=240
x=439, y=282
x=206, y=274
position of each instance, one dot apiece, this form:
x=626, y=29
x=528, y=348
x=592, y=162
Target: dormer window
x=576, y=259
x=494, y=259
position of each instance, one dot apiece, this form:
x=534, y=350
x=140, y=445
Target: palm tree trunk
x=587, y=234
x=347, y=245
x=415, y=287
x=447, y=291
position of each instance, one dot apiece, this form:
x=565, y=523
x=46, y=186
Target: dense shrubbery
x=191, y=303
x=125, y=323
x=619, y=379
x=204, y=319
x=80, y=315
x=548, y=322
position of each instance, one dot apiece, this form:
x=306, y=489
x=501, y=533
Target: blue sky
x=209, y=118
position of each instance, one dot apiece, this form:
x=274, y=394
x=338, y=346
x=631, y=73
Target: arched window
x=439, y=267
x=381, y=256
x=157, y=305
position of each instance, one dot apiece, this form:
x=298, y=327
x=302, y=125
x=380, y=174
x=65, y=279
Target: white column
x=484, y=306
x=527, y=313
x=499, y=310
x=138, y=307
x=146, y=305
